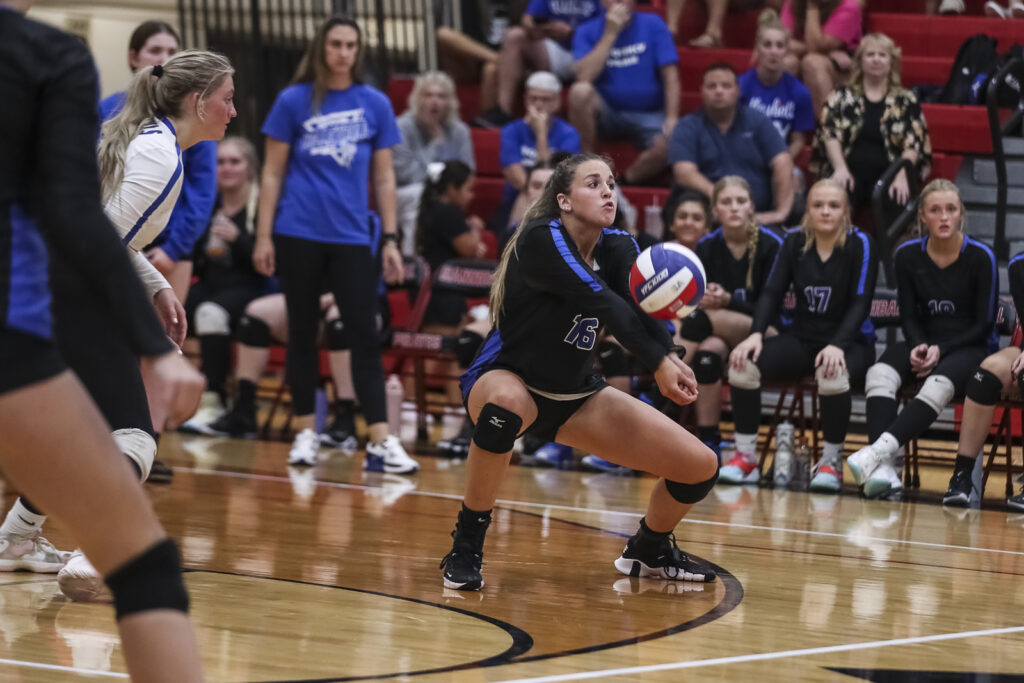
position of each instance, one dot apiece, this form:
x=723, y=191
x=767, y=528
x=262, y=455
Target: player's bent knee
x=984, y=387
x=691, y=493
x=337, y=336
x=831, y=386
x=139, y=447
x=212, y=318
x=254, y=332
x=747, y=378
x=937, y=391
x=882, y=381
x=149, y=581
x=496, y=428
x=707, y=367
x=696, y=326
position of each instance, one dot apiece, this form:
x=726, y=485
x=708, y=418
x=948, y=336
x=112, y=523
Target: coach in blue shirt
x=627, y=84
x=724, y=138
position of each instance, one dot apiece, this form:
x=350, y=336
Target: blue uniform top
x=787, y=103
x=572, y=12
x=198, y=190
x=519, y=144
x=631, y=79
x=326, y=187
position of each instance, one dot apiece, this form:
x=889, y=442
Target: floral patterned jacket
x=903, y=127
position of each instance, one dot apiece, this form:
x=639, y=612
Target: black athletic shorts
x=26, y=359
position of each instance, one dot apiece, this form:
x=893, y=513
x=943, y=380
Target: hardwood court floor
x=330, y=574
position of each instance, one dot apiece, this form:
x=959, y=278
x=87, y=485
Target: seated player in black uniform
x=947, y=287
x=832, y=268
x=564, y=276
x=737, y=258
x=997, y=375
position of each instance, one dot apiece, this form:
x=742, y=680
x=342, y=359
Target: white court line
x=739, y=659
x=596, y=511
x=56, y=667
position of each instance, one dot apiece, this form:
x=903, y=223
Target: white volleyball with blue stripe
x=667, y=281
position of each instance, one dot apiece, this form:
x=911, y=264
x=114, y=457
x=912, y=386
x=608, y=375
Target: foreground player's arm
x=550, y=262
x=195, y=203
x=770, y=302
x=865, y=275
x=68, y=199
x=986, y=288
x=910, y=313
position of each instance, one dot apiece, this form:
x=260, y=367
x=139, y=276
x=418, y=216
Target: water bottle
x=801, y=479
x=783, y=462
x=395, y=393
x=652, y=221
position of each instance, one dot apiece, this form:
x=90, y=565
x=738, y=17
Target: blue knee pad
x=496, y=429
x=707, y=367
x=691, y=493
x=149, y=581
x=254, y=332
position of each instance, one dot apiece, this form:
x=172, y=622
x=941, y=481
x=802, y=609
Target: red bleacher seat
x=940, y=36
x=486, y=149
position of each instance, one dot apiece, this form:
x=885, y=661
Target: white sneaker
x=741, y=469
x=994, y=9
x=210, y=410
x=80, y=581
x=1017, y=10
x=880, y=483
x=305, y=448
x=389, y=456
x=31, y=553
x=828, y=476
x=865, y=461
x=952, y=7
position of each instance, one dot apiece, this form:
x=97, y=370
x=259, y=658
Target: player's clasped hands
x=923, y=359
x=676, y=381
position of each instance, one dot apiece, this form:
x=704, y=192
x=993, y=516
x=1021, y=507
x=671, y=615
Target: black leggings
x=351, y=273
x=787, y=358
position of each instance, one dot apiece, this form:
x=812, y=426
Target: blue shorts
x=639, y=127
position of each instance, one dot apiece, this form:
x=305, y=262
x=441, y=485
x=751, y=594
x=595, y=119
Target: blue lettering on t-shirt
x=787, y=103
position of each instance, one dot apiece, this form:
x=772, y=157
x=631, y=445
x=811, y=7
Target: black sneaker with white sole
x=657, y=556
x=463, y=563
x=1016, y=502
x=237, y=423
x=341, y=433
x=959, y=492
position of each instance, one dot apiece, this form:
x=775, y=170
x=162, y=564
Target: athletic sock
x=246, y=395
x=709, y=434
x=832, y=452
x=963, y=463
x=21, y=521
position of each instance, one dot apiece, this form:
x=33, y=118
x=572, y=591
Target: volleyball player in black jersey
x=562, y=277
x=737, y=258
x=49, y=185
x=997, y=375
x=947, y=286
x=832, y=268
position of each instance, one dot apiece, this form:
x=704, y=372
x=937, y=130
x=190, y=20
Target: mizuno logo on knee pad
x=496, y=428
x=497, y=422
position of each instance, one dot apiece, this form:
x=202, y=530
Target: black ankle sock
x=648, y=540
x=472, y=523
x=216, y=360
x=29, y=506
x=709, y=434
x=246, y=395
x=963, y=463
x=344, y=406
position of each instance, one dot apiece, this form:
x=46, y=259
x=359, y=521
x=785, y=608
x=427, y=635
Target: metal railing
x=889, y=229
x=1011, y=72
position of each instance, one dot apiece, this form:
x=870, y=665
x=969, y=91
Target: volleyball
x=667, y=281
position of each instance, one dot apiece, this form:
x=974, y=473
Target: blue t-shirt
x=326, y=188
x=787, y=103
x=631, y=79
x=519, y=144
x=572, y=12
x=746, y=149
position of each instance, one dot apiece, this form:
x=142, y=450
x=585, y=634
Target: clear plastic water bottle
x=783, y=462
x=801, y=479
x=395, y=393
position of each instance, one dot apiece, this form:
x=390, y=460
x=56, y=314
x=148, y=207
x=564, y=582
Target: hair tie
x=158, y=70
x=434, y=170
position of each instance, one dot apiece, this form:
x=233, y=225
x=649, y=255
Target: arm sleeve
x=195, y=203
x=779, y=278
x=910, y=313
x=549, y=262
x=865, y=275
x=76, y=225
x=985, y=300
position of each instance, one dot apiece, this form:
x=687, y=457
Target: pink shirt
x=844, y=23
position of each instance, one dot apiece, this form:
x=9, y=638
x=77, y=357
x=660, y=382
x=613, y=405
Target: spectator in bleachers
x=775, y=92
x=998, y=375
x=870, y=123
x=947, y=287
x=724, y=138
x=324, y=134
x=832, y=268
x=536, y=178
x=471, y=55
x=737, y=258
x=712, y=35
x=1011, y=10
x=431, y=131
x=823, y=35
x=945, y=7
x=627, y=84
x=543, y=42
x=686, y=217
x=226, y=279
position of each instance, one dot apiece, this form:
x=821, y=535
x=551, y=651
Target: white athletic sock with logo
x=21, y=522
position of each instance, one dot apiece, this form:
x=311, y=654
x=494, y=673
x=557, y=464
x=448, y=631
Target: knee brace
x=337, y=336
x=937, y=391
x=466, y=346
x=253, y=332
x=613, y=357
x=140, y=448
x=211, y=318
x=149, y=581
x=696, y=326
x=747, y=378
x=832, y=386
x=496, y=429
x=984, y=388
x=882, y=381
x=691, y=493
x=707, y=367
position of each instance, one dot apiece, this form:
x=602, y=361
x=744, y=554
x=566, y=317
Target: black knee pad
x=466, y=346
x=707, y=367
x=614, y=361
x=696, y=326
x=984, y=388
x=496, y=429
x=149, y=581
x=254, y=332
x=691, y=493
x=337, y=336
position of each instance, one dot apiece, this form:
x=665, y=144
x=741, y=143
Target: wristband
x=390, y=238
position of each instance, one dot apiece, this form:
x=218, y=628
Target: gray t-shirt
x=415, y=152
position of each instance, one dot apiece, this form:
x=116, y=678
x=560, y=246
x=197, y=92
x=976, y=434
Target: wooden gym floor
x=331, y=574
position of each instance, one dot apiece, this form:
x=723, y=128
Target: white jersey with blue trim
x=141, y=205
